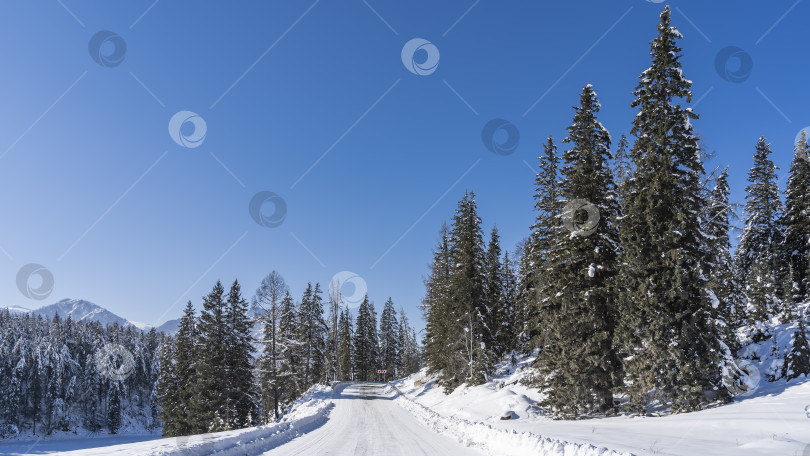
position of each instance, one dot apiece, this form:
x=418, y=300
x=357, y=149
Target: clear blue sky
x=96, y=190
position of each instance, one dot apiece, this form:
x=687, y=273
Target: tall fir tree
x=333, y=332
x=312, y=333
x=345, y=346
x=667, y=334
x=525, y=300
x=622, y=165
x=366, y=343
x=468, y=296
x=796, y=222
x=726, y=291
x=211, y=387
x=757, y=259
x=240, y=410
x=494, y=316
x=409, y=359
x=390, y=350
x=533, y=285
x=171, y=412
x=577, y=357
x=289, y=371
x=179, y=377
x=508, y=325
x=441, y=324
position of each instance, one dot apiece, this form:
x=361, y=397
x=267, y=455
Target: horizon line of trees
x=627, y=285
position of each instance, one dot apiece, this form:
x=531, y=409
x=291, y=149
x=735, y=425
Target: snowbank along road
x=366, y=421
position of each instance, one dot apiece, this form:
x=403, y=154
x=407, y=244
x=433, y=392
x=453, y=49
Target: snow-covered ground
x=308, y=413
x=413, y=416
x=773, y=420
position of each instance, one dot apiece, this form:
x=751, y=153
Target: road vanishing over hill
x=366, y=421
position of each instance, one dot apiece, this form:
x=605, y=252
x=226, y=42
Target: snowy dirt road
x=366, y=421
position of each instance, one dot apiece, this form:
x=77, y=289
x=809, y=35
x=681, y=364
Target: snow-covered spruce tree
x=759, y=249
x=114, y=408
x=524, y=300
x=312, y=334
x=345, y=346
x=722, y=281
x=442, y=325
x=366, y=344
x=667, y=334
x=796, y=222
x=267, y=302
x=333, y=332
x=319, y=362
x=797, y=360
x=289, y=372
x=210, y=389
x=533, y=285
x=241, y=400
x=622, y=166
x=577, y=357
x=494, y=295
x=389, y=342
x=468, y=296
x=410, y=357
x=507, y=329
x=168, y=390
x=414, y=354
x=178, y=378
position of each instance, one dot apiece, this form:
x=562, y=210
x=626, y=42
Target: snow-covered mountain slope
x=81, y=310
x=773, y=419
x=15, y=310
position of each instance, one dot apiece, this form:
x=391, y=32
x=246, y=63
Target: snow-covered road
x=366, y=420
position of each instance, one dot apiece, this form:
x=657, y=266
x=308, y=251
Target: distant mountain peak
x=83, y=310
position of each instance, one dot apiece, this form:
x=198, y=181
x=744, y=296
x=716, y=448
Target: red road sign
x=382, y=371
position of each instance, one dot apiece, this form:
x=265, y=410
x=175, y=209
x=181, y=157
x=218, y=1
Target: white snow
x=770, y=419
x=493, y=440
x=307, y=413
x=359, y=418
x=413, y=416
